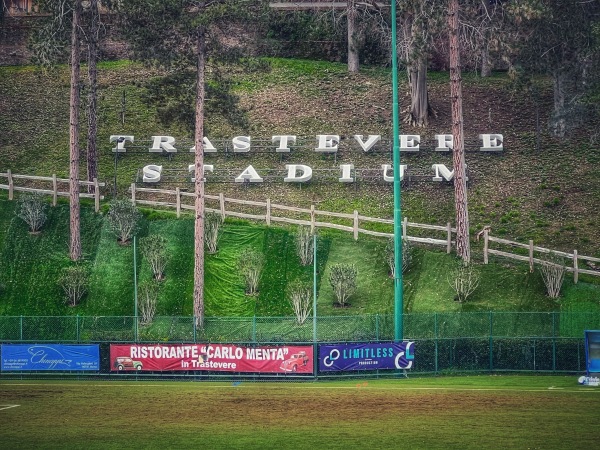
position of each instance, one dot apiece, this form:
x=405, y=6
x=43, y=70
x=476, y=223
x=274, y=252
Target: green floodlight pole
x=135, y=293
x=315, y=287
x=398, y=302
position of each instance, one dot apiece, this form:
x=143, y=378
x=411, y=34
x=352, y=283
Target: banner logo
x=55, y=357
x=366, y=356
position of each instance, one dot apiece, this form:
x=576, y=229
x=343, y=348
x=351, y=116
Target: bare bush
x=464, y=280
x=250, y=265
x=74, y=281
x=123, y=218
x=390, y=256
x=212, y=226
x=299, y=295
x=304, y=245
x=553, y=271
x=154, y=249
x=147, y=300
x=342, y=278
x=32, y=209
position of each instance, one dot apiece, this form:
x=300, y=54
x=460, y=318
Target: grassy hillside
x=547, y=193
x=30, y=267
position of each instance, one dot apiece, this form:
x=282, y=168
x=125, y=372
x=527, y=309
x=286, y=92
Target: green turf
x=375, y=291
x=476, y=412
x=32, y=264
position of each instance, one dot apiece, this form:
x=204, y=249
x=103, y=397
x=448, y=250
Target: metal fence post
x=77, y=326
x=316, y=359
x=491, y=341
x=21, y=328
x=377, y=326
x=254, y=329
x=435, y=335
x=554, y=341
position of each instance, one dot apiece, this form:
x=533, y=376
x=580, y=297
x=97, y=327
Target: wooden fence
x=54, y=191
x=530, y=257
x=176, y=199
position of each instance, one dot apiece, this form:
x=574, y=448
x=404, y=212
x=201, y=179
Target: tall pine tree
x=186, y=36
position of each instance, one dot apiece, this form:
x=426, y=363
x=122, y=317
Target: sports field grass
x=446, y=412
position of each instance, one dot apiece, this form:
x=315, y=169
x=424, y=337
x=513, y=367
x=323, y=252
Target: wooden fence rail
x=311, y=213
x=530, y=258
x=54, y=191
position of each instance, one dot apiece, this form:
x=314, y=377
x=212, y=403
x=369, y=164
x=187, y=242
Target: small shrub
x=304, y=245
x=74, y=281
x=553, y=271
x=250, y=265
x=342, y=278
x=300, y=296
x=123, y=218
x=154, y=249
x=407, y=253
x=464, y=280
x=148, y=295
x=212, y=226
x=32, y=209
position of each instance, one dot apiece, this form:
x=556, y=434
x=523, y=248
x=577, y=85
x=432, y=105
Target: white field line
x=361, y=387
x=2, y=407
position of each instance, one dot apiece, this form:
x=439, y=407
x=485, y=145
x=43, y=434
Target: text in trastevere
x=300, y=173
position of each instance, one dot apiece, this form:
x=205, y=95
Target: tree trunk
x=92, y=151
x=74, y=221
x=486, y=66
x=416, y=68
x=353, y=60
x=559, y=126
x=419, y=97
x=460, y=181
x=199, y=183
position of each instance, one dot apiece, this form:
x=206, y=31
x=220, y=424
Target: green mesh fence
x=445, y=342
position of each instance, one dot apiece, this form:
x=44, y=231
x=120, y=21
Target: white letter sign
x=327, y=143
x=306, y=173
x=249, y=174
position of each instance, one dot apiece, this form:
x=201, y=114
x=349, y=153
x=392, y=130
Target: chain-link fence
x=444, y=342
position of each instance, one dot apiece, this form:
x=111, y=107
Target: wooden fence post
x=54, y=190
x=449, y=238
x=10, y=184
x=530, y=256
x=178, y=202
x=575, y=267
x=268, y=215
x=96, y=195
x=355, y=225
x=133, y=193
x=312, y=219
x=486, y=244
x=222, y=204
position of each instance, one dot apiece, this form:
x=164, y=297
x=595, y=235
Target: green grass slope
x=31, y=265
x=548, y=194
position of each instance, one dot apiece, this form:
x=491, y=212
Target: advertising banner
x=592, y=350
x=21, y=357
x=211, y=357
x=366, y=356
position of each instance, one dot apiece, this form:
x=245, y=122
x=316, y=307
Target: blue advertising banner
x=21, y=357
x=592, y=350
x=366, y=356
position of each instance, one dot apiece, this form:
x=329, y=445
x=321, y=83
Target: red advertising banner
x=211, y=357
